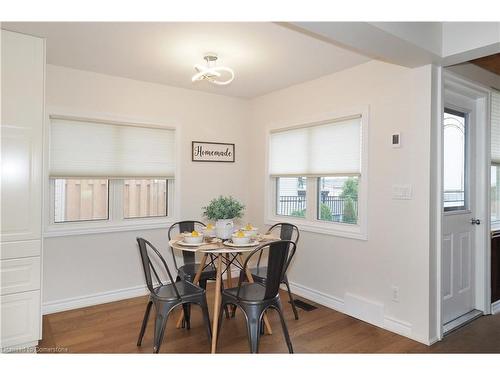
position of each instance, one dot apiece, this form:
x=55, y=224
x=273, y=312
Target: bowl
x=189, y=238
x=251, y=232
x=241, y=240
x=209, y=232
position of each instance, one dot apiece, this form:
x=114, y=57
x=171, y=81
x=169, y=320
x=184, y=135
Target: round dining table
x=222, y=255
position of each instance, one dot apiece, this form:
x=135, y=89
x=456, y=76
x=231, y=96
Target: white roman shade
x=495, y=127
x=326, y=149
x=81, y=148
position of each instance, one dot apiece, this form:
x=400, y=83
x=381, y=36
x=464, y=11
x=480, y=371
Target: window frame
x=310, y=223
x=116, y=221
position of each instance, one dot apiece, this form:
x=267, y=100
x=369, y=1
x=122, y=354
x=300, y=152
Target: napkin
x=268, y=237
x=211, y=246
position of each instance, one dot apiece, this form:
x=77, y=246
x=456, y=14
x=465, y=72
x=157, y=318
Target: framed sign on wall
x=213, y=151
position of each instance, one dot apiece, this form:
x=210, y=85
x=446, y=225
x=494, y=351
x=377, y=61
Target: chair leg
x=285, y=330
x=144, y=323
x=253, y=326
x=226, y=307
x=160, y=323
x=294, y=308
x=178, y=278
x=243, y=276
x=206, y=319
x=203, y=283
x=187, y=314
x=219, y=324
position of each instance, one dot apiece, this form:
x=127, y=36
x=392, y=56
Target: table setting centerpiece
x=223, y=210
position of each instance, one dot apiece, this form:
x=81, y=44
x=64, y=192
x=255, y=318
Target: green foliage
x=325, y=213
x=350, y=215
x=223, y=208
x=299, y=213
x=350, y=188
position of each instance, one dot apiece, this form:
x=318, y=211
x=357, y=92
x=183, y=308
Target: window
x=145, y=198
x=109, y=174
x=495, y=157
x=80, y=199
x=291, y=198
x=454, y=166
x=338, y=199
x=317, y=176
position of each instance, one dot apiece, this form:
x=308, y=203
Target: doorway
x=465, y=218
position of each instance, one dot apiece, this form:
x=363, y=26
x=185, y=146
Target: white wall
x=397, y=250
x=99, y=264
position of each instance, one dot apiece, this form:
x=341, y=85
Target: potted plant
x=223, y=210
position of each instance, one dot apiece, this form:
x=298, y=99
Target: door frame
x=481, y=94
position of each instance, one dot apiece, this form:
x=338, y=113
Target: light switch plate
x=402, y=192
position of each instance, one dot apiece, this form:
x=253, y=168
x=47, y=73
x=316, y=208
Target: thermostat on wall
x=396, y=140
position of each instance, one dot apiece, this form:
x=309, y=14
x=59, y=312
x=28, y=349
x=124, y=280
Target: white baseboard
x=386, y=322
x=93, y=299
x=495, y=307
x=398, y=326
x=324, y=299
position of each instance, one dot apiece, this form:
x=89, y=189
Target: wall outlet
x=395, y=294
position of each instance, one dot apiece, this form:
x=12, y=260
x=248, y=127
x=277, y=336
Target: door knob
x=475, y=221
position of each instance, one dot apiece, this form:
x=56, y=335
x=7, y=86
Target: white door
x=459, y=220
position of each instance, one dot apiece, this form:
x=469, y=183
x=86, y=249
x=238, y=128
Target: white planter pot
x=224, y=228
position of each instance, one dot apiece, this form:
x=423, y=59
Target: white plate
x=231, y=244
x=182, y=243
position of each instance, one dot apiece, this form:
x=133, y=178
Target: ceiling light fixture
x=213, y=73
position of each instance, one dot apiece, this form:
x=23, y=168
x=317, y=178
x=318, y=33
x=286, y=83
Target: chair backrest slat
x=287, y=232
x=279, y=256
x=276, y=263
x=184, y=226
x=147, y=265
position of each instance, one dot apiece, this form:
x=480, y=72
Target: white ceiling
x=265, y=56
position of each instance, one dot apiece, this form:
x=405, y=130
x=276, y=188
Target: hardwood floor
x=114, y=327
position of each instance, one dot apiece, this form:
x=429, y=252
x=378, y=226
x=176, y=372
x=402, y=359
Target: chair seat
x=186, y=289
x=188, y=271
x=251, y=292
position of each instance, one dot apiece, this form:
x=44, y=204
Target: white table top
x=221, y=247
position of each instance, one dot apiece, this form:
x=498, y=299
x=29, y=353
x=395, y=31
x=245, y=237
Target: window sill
x=336, y=230
x=76, y=229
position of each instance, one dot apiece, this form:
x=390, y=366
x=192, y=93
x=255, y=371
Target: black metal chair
x=188, y=270
x=255, y=298
x=165, y=297
x=287, y=232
